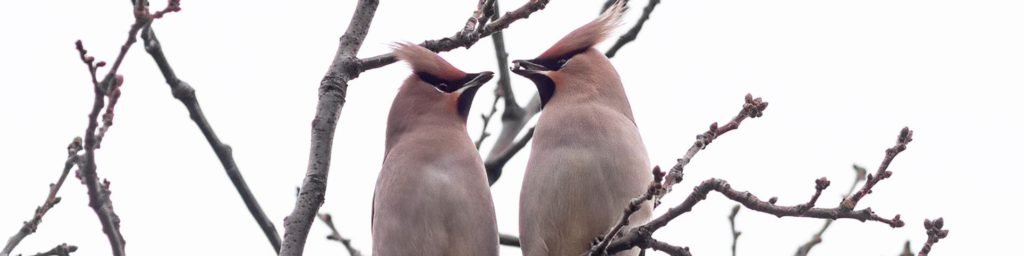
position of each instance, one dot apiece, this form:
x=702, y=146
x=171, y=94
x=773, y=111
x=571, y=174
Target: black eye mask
x=471, y=83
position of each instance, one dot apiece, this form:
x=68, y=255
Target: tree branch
x=326, y=218
x=935, y=232
x=640, y=236
x=464, y=38
x=333, y=89
x=906, y=249
x=51, y=199
x=816, y=239
x=732, y=224
x=187, y=95
x=669, y=249
x=906, y=135
x=632, y=207
x=752, y=107
x=60, y=250
x=634, y=31
x=109, y=88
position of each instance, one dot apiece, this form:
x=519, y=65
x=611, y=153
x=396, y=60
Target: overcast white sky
x=842, y=77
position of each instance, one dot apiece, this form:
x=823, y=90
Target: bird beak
x=539, y=75
x=526, y=67
x=480, y=79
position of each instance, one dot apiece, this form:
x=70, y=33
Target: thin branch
x=508, y=240
x=639, y=236
x=465, y=38
x=496, y=164
x=51, y=199
x=187, y=95
x=60, y=250
x=326, y=218
x=935, y=232
x=109, y=88
x=669, y=249
x=633, y=32
x=632, y=207
x=487, y=120
x=333, y=90
x=906, y=249
x=752, y=107
x=732, y=225
x=816, y=239
x=906, y=135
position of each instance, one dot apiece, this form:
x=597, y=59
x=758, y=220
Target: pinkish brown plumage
x=588, y=159
x=432, y=195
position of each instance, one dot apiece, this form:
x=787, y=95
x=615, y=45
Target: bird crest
x=423, y=60
x=589, y=34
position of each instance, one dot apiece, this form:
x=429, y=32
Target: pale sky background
x=842, y=78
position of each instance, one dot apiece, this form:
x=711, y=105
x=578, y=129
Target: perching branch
x=935, y=232
x=634, y=31
x=60, y=250
x=732, y=225
x=816, y=239
x=334, y=88
x=187, y=95
x=326, y=218
x=640, y=236
x=109, y=89
x=51, y=200
x=669, y=249
x=752, y=107
x=632, y=207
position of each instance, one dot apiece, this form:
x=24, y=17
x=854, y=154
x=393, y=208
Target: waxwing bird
x=588, y=159
x=432, y=196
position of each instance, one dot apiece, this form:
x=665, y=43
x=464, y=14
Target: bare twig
x=816, y=239
x=752, y=107
x=60, y=250
x=465, y=38
x=109, y=88
x=187, y=95
x=906, y=249
x=906, y=135
x=632, y=207
x=51, y=199
x=732, y=225
x=640, y=236
x=634, y=31
x=508, y=240
x=333, y=89
x=326, y=218
x=487, y=120
x=935, y=232
x=669, y=249
x=495, y=165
